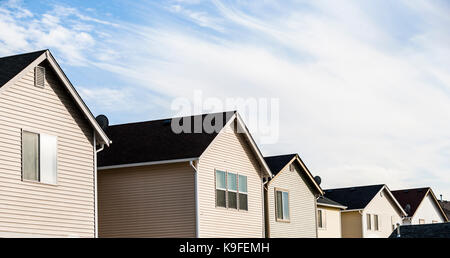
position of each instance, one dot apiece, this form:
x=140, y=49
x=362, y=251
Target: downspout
x=266, y=211
x=95, y=186
x=263, y=209
x=197, y=206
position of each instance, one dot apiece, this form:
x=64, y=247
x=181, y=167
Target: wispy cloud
x=364, y=99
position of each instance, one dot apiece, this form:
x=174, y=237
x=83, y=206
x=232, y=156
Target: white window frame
x=237, y=191
x=369, y=221
x=321, y=213
x=288, y=220
x=376, y=222
x=39, y=133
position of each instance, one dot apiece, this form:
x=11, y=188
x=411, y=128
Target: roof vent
x=39, y=76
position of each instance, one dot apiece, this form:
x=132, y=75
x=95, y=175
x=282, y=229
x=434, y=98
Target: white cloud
x=360, y=105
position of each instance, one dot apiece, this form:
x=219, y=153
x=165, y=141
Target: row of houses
x=65, y=174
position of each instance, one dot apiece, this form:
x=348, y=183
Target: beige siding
x=35, y=209
x=351, y=224
x=150, y=201
x=331, y=222
x=302, y=206
x=229, y=152
x=388, y=214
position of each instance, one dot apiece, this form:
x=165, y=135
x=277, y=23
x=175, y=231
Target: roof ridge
x=282, y=155
x=349, y=187
x=409, y=189
x=162, y=119
x=34, y=52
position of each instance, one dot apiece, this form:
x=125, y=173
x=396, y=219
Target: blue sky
x=364, y=86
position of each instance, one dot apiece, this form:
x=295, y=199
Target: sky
x=363, y=86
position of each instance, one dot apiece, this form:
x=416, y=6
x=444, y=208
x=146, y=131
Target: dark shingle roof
x=155, y=141
x=276, y=163
x=413, y=197
x=10, y=66
x=445, y=205
x=353, y=197
x=437, y=230
x=325, y=200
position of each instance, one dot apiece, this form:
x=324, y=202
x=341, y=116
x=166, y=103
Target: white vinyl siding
x=302, y=205
x=34, y=209
x=230, y=152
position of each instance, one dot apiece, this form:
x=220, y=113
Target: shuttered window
x=282, y=205
x=39, y=157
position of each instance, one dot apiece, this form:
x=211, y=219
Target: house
x=372, y=211
x=437, y=230
x=48, y=146
x=290, y=198
x=329, y=218
x=445, y=205
x=159, y=181
x=421, y=205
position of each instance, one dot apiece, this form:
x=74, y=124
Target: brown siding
x=35, y=209
x=302, y=205
x=351, y=224
x=150, y=201
x=229, y=152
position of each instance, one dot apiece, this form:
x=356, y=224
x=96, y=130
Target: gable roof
x=278, y=163
x=12, y=68
x=324, y=201
x=358, y=197
x=414, y=198
x=154, y=142
x=437, y=230
x=355, y=198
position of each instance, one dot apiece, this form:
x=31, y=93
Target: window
x=243, y=194
x=291, y=167
x=39, y=157
x=421, y=221
x=321, y=218
x=221, y=189
x=376, y=222
x=231, y=190
x=282, y=205
x=369, y=222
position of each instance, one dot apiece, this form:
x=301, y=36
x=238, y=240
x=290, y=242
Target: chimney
x=398, y=229
x=441, y=197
